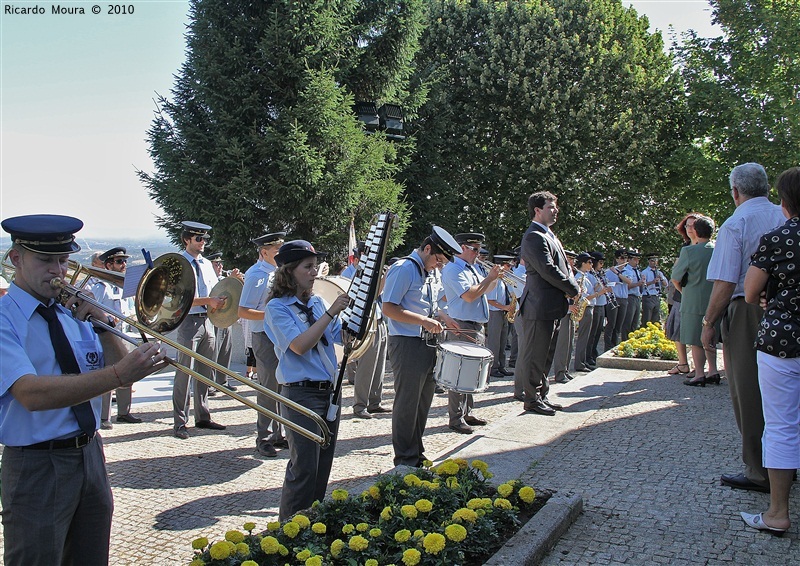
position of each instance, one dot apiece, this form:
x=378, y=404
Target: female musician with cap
x=303, y=328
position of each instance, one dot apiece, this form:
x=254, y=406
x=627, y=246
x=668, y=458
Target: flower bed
x=645, y=349
x=448, y=514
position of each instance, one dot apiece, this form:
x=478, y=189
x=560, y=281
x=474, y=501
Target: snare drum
x=462, y=367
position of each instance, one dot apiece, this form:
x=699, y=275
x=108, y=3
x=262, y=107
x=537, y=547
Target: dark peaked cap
x=196, y=228
x=44, y=233
x=113, y=253
x=266, y=239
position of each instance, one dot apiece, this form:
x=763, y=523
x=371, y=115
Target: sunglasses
x=120, y=261
x=199, y=239
x=476, y=250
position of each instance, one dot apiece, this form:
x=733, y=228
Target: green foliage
x=743, y=95
x=570, y=96
x=259, y=133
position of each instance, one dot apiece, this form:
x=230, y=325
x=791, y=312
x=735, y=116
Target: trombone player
x=56, y=497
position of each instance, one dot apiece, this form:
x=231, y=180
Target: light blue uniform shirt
x=457, y=277
x=410, y=287
x=498, y=294
x=635, y=276
x=651, y=275
x=738, y=239
x=602, y=300
x=26, y=349
x=620, y=289
x=522, y=273
x=202, y=286
x=587, y=281
x=349, y=272
x=257, y=282
x=284, y=324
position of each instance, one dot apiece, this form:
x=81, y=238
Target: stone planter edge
x=609, y=360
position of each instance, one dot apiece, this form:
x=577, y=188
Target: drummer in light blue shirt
x=466, y=288
x=410, y=303
x=304, y=328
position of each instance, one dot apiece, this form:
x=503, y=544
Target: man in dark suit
x=548, y=285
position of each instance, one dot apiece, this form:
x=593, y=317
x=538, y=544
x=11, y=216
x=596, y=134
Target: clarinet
x=610, y=297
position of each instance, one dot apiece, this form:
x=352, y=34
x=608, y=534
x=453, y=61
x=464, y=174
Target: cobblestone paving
x=645, y=452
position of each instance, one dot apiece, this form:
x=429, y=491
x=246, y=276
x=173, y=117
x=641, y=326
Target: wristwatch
x=706, y=322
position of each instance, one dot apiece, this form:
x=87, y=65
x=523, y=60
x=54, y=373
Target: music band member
x=196, y=332
x=253, y=306
x=410, y=298
x=56, y=497
x=619, y=277
x=501, y=309
x=655, y=282
x=634, y=312
x=110, y=295
x=222, y=336
x=465, y=288
x=304, y=328
x=548, y=286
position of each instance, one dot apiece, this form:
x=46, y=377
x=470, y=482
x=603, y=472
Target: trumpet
x=163, y=299
x=508, y=277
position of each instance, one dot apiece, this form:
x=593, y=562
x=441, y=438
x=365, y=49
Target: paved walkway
x=643, y=450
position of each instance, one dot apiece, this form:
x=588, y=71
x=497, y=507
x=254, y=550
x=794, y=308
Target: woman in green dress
x=696, y=291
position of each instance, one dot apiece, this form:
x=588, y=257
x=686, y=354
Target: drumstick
x=463, y=331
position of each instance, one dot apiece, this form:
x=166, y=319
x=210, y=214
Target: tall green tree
x=571, y=96
x=260, y=134
x=743, y=92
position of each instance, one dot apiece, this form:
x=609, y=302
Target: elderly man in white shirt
x=737, y=239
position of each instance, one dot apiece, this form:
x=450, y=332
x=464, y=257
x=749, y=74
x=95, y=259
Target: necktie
x=484, y=302
x=311, y=319
x=66, y=360
x=202, y=289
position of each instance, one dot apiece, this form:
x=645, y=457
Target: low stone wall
x=611, y=360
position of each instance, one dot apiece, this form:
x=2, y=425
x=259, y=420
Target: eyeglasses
x=476, y=250
x=121, y=260
x=199, y=239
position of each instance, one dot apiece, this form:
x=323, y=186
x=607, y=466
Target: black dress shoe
x=519, y=398
x=695, y=381
x=282, y=443
x=181, y=433
x=474, y=421
x=539, y=407
x=267, y=450
x=362, y=414
x=439, y=389
x=715, y=379
x=129, y=418
x=562, y=378
x=569, y=376
x=210, y=425
x=379, y=409
x=583, y=369
x=497, y=373
x=505, y=372
x=461, y=428
x=512, y=364
x=554, y=406
x=740, y=481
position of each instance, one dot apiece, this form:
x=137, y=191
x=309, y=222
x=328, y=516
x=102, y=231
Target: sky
x=77, y=98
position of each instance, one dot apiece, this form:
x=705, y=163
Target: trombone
x=509, y=277
x=163, y=299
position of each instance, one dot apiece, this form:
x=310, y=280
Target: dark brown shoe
x=210, y=425
x=474, y=421
x=461, y=428
x=379, y=409
x=539, y=408
x=554, y=406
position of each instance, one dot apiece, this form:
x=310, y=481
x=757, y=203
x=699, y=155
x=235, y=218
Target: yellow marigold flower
x=371, y=562
x=411, y=480
x=475, y=503
x=502, y=503
x=273, y=525
x=409, y=511
x=348, y=528
x=435, y=484
x=462, y=463
x=249, y=563
x=358, y=543
x=434, y=543
x=527, y=494
x=301, y=520
x=386, y=514
x=411, y=557
x=234, y=536
x=200, y=543
x=426, y=484
x=220, y=550
x=336, y=548
x=423, y=505
x=314, y=561
x=455, y=532
x=339, y=495
x=481, y=512
x=427, y=464
x=303, y=554
x=375, y=492
x=488, y=475
x=282, y=550
x=291, y=529
x=464, y=514
x=242, y=549
x=270, y=545
x=249, y=526
x=447, y=468
x=505, y=490
x=452, y=482
x=319, y=528
x=418, y=533
x=362, y=527
x=198, y=562
x=402, y=536
x=480, y=465
x=375, y=532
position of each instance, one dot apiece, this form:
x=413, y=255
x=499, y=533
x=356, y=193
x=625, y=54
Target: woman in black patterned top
x=775, y=267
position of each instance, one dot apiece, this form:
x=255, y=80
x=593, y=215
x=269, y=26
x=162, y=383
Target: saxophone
x=583, y=302
x=511, y=314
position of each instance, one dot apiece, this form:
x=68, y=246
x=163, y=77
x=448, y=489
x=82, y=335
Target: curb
x=612, y=361
x=540, y=534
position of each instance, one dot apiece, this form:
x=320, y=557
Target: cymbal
x=231, y=289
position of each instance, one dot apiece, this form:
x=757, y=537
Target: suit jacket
x=549, y=280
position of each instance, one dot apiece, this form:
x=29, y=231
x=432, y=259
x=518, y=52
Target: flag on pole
x=351, y=243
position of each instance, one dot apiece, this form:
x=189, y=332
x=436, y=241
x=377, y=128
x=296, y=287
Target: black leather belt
x=75, y=442
x=323, y=385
